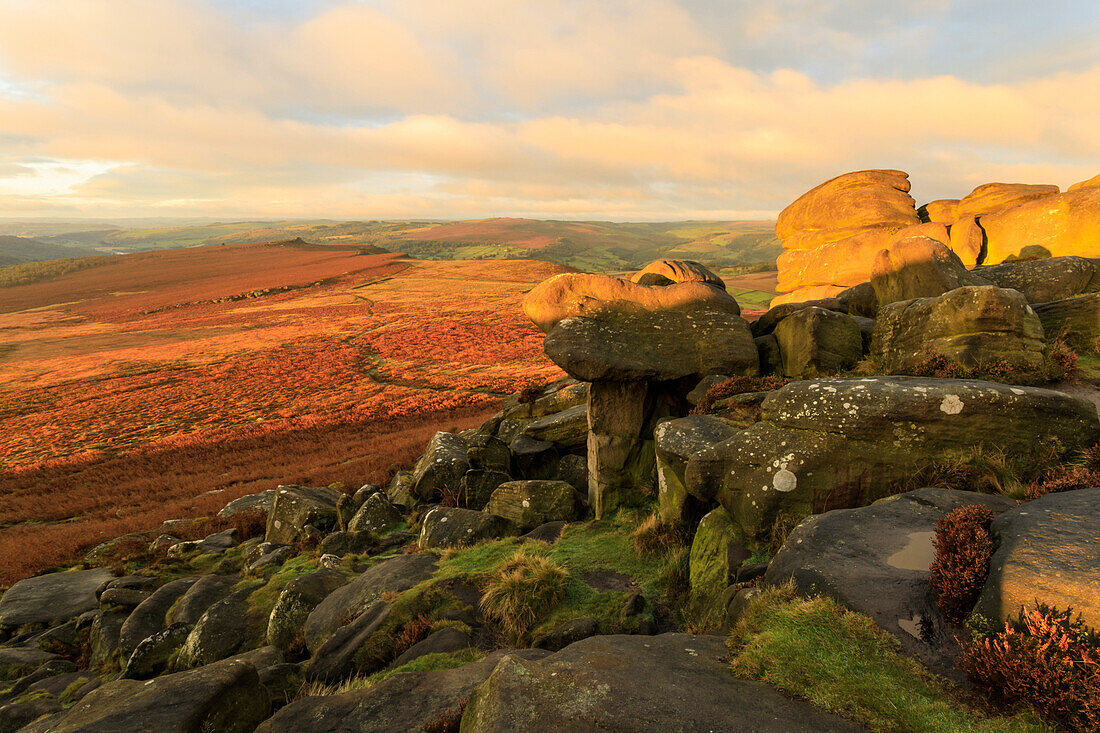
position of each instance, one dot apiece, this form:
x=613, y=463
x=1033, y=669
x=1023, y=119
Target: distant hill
x=587, y=245
x=17, y=250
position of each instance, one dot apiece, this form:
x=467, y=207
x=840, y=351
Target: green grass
x=842, y=662
x=426, y=663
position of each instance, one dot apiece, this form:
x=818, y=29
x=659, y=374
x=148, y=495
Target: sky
x=556, y=109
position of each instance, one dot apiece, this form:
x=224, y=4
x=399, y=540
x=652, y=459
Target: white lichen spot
x=951, y=405
x=784, y=480
x=526, y=504
x=442, y=520
x=1017, y=391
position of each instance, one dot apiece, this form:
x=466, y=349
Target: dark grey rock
x=260, y=502
x=533, y=459
x=148, y=618
x=48, y=599
x=444, y=641
x=296, y=507
x=567, y=633
x=219, y=633
x=201, y=594
x=296, y=601
x=334, y=660
x=440, y=469
x=452, y=527
x=479, y=484
x=155, y=653
x=376, y=515
x=567, y=429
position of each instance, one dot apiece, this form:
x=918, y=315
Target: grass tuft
x=842, y=662
x=522, y=591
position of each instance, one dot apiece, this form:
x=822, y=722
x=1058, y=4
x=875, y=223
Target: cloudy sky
x=609, y=109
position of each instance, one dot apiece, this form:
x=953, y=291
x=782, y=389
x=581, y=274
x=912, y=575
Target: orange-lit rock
x=580, y=294
x=680, y=271
x=1094, y=181
x=803, y=295
x=940, y=211
x=967, y=240
x=992, y=197
x=918, y=267
x=871, y=198
x=1063, y=224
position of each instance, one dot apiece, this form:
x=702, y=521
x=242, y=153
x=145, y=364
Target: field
x=594, y=246
x=164, y=384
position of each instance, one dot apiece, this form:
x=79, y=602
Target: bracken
x=963, y=548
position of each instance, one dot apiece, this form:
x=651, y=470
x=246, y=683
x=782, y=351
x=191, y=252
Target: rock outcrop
x=976, y=325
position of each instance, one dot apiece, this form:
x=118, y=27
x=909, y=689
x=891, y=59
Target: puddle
x=917, y=553
x=912, y=626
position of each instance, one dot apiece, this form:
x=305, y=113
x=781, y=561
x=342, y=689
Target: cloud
x=616, y=108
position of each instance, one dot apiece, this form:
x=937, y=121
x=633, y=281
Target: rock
x=918, y=267
x=635, y=683
x=338, y=544
x=14, y=716
x=569, y=395
x=941, y=211
x=441, y=468
x=968, y=241
x=1094, y=181
x=1041, y=281
x=527, y=504
x=334, y=661
x=226, y=697
x=573, y=295
x=295, y=507
x=1077, y=320
x=568, y=429
x=676, y=441
x=815, y=342
x=1063, y=224
x=992, y=197
x=716, y=552
x=736, y=601
x=567, y=633
x=653, y=346
x=533, y=459
x=680, y=271
x=767, y=322
x=407, y=701
x=214, y=544
x=874, y=560
x=548, y=533
x=444, y=641
x=771, y=358
x=202, y=594
x=400, y=489
x=478, y=485
x=859, y=300
x=154, y=654
x=123, y=597
x=17, y=661
x=296, y=601
x=395, y=575
x=453, y=527
x=488, y=453
x=1047, y=551
x=105, y=634
x=810, y=294
x=219, y=633
x=274, y=556
x=48, y=599
x=840, y=443
x=376, y=515
x=972, y=325
x=260, y=502
x=573, y=470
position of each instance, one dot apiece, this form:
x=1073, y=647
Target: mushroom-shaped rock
x=991, y=197
x=578, y=294
x=918, y=267
x=646, y=346
x=680, y=271
x=870, y=198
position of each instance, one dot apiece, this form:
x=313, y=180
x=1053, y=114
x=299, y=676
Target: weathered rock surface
x=767, y=322
x=260, y=502
x=918, y=267
x=440, y=469
x=455, y=527
x=16, y=661
x=527, y=504
x=972, y=325
x=941, y=211
x=1041, y=281
x=334, y=660
x=568, y=429
x=680, y=271
x=991, y=197
x=478, y=485
x=226, y=696
x=219, y=633
x=840, y=443
x=635, y=683
x=567, y=633
x=376, y=515
x=152, y=656
x=51, y=598
x=874, y=560
x=202, y=594
x=1048, y=550
x=296, y=601
x=573, y=295
x=294, y=507
x=533, y=459
x=1075, y=319
x=814, y=342
x=716, y=553
x=968, y=241
x=676, y=442
x=444, y=641
x=488, y=453
x=407, y=701
x=390, y=576
x=1062, y=224
x=653, y=346
x=148, y=618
